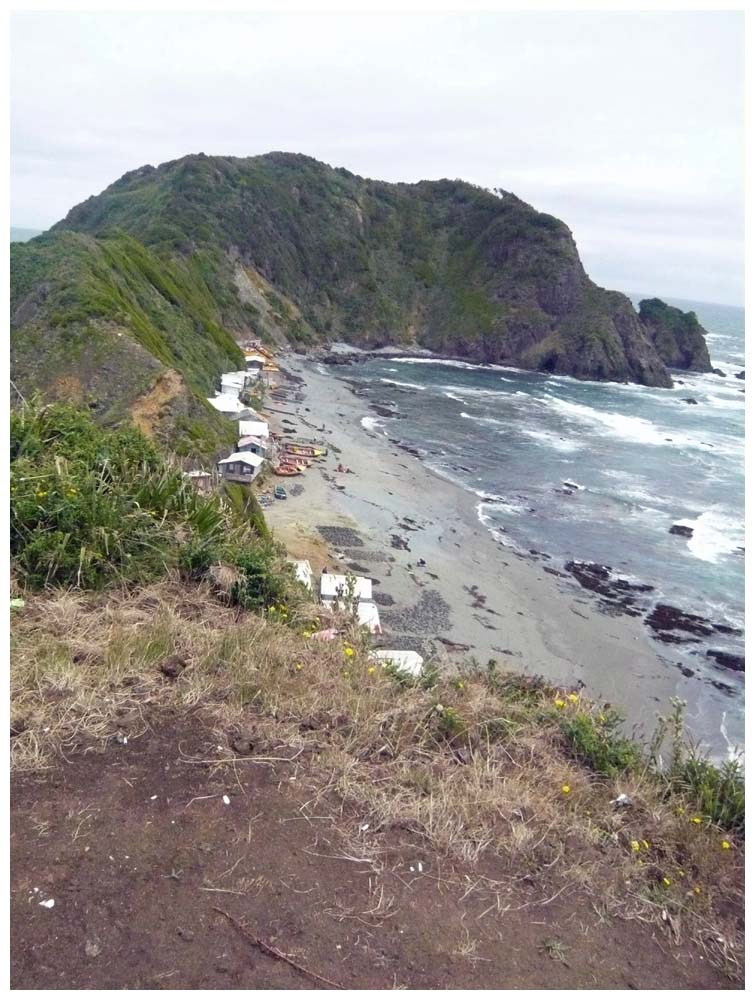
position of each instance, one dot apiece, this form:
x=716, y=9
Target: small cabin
x=227, y=404
x=255, y=362
x=241, y=467
x=256, y=445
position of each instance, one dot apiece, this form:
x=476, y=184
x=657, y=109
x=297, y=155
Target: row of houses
x=255, y=444
x=337, y=591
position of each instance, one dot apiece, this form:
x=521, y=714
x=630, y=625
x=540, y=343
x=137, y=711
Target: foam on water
x=404, y=385
x=715, y=534
x=641, y=430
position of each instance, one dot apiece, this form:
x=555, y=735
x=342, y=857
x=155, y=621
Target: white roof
x=406, y=660
x=303, y=571
x=254, y=428
x=244, y=456
x=237, y=378
x=196, y=473
x=253, y=439
x=226, y=403
x=368, y=614
x=334, y=585
x=254, y=356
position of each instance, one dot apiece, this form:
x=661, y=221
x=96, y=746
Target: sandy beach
x=473, y=598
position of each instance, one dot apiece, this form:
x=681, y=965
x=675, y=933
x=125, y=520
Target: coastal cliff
x=170, y=265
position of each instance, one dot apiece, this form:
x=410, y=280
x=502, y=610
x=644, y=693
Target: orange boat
x=286, y=470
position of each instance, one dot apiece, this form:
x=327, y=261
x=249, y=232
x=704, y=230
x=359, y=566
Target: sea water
x=599, y=472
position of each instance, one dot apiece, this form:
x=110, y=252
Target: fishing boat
x=286, y=470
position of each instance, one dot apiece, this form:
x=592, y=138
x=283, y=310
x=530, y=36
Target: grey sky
x=628, y=126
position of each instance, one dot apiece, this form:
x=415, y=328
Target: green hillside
x=135, y=301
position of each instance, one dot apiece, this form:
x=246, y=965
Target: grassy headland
x=123, y=569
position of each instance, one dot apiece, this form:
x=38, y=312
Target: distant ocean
x=639, y=459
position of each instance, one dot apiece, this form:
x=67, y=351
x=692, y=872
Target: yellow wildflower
x=725, y=845
x=566, y=789
x=297, y=666
x=601, y=718
x=646, y=845
x=370, y=670
x=348, y=650
x=573, y=697
x=697, y=890
x=666, y=881
x=681, y=873
x=696, y=820
x=559, y=703
x=635, y=845
x=306, y=635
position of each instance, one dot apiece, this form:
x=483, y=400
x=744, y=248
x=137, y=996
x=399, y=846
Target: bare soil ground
x=140, y=853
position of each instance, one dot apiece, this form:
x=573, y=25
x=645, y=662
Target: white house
x=254, y=428
x=335, y=586
x=231, y=383
x=406, y=660
x=241, y=467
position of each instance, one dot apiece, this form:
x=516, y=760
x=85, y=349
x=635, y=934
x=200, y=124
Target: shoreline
x=474, y=597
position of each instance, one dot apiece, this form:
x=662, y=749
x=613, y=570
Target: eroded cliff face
x=438, y=264
x=677, y=336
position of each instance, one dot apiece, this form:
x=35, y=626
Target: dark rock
x=740, y=375
x=681, y=529
x=727, y=629
x=666, y=618
x=173, y=667
x=691, y=400
x=731, y=661
x=717, y=371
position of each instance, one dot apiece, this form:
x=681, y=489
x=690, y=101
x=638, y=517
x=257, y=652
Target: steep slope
x=294, y=248
x=105, y=322
x=678, y=336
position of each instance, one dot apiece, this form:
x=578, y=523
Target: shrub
x=263, y=584
x=596, y=742
x=717, y=792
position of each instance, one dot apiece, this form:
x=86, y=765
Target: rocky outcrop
x=678, y=336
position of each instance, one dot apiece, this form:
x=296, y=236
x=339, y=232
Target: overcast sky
x=627, y=126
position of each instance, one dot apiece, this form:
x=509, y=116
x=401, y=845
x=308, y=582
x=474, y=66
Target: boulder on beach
x=681, y=529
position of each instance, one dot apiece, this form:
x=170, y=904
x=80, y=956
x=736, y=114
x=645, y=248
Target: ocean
x=598, y=473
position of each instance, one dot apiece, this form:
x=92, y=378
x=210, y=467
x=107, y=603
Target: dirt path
x=137, y=848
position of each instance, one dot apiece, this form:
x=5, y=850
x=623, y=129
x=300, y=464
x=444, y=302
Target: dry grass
x=472, y=772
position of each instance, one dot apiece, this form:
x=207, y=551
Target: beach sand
x=474, y=592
